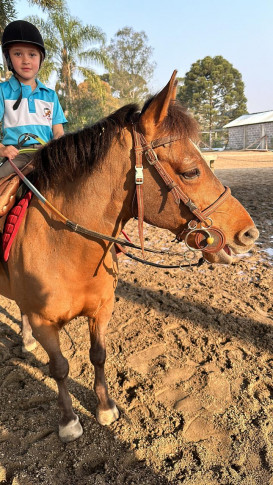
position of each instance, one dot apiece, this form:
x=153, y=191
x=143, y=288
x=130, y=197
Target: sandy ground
x=189, y=364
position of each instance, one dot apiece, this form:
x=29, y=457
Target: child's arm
x=58, y=131
x=8, y=151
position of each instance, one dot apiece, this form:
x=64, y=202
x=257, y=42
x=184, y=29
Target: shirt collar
x=41, y=86
x=15, y=84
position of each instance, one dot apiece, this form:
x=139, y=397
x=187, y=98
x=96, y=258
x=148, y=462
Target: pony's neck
x=101, y=201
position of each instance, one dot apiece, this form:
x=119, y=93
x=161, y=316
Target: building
x=251, y=131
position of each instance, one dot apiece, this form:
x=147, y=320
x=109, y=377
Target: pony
x=132, y=162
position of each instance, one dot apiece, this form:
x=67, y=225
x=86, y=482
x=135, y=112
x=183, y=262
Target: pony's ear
x=158, y=108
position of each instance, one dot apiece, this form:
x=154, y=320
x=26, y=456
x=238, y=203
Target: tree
x=93, y=101
x=213, y=89
x=7, y=13
x=67, y=43
x=130, y=68
x=47, y=4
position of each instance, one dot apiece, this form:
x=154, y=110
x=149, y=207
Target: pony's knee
x=58, y=368
x=97, y=355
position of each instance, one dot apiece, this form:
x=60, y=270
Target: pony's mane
x=77, y=153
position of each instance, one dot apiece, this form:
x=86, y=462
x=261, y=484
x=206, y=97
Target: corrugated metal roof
x=251, y=119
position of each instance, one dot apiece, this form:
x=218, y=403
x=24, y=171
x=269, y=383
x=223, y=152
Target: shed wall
x=240, y=137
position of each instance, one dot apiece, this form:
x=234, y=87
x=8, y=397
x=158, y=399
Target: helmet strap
x=8, y=60
x=17, y=103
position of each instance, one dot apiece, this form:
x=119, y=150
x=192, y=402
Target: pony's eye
x=191, y=174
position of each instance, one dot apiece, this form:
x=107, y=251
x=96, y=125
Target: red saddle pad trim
x=118, y=251
x=13, y=222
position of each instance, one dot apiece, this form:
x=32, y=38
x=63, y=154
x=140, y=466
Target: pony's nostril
x=248, y=236
x=251, y=234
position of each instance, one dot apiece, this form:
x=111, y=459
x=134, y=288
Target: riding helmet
x=21, y=31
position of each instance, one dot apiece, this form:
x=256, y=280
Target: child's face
x=25, y=59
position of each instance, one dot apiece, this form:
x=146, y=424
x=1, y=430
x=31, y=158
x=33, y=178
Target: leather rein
x=200, y=226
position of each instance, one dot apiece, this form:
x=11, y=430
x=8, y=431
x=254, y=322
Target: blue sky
x=183, y=31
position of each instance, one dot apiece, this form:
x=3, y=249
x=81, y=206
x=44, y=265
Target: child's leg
x=20, y=161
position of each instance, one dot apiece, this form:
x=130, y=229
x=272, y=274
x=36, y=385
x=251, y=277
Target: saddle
x=9, y=187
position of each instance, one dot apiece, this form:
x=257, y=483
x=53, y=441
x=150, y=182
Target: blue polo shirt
x=38, y=111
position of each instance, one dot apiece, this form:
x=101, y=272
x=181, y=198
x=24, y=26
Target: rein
x=206, y=237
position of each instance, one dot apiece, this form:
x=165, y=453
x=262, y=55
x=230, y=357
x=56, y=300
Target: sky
x=183, y=31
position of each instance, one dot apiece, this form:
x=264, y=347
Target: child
x=26, y=105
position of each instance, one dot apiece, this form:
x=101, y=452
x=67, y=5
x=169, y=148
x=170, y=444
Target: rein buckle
x=139, y=175
x=151, y=156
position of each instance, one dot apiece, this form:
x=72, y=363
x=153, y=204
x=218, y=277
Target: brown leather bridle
x=200, y=233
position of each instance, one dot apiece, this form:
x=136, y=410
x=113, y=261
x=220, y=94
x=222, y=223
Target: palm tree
x=47, y=4
x=7, y=13
x=68, y=45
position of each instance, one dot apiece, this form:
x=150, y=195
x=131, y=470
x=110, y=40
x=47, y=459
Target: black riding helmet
x=21, y=31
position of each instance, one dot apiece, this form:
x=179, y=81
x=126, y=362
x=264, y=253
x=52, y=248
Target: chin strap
x=17, y=103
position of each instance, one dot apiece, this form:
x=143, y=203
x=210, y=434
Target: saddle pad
x=13, y=222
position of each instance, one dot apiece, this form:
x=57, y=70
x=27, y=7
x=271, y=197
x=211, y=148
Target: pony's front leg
x=48, y=336
x=29, y=342
x=107, y=411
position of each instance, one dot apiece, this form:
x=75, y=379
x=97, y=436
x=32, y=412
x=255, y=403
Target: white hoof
x=29, y=347
x=107, y=417
x=71, y=431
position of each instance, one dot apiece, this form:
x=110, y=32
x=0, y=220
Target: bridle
x=200, y=233
x=205, y=236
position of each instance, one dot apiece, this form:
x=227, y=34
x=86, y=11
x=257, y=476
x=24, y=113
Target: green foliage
x=213, y=89
x=7, y=13
x=131, y=68
x=47, y=4
x=92, y=102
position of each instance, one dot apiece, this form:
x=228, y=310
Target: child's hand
x=8, y=151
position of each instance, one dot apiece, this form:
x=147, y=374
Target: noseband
x=200, y=233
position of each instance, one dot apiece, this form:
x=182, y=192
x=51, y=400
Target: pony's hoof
x=71, y=431
x=107, y=417
x=29, y=347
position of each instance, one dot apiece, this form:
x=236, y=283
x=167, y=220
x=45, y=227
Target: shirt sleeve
x=58, y=114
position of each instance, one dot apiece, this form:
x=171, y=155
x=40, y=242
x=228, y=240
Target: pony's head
x=180, y=192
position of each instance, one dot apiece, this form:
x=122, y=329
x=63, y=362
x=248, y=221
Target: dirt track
x=189, y=364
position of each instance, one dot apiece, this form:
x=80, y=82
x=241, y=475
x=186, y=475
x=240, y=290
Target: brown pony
x=55, y=275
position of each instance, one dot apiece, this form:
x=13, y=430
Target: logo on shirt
x=47, y=114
